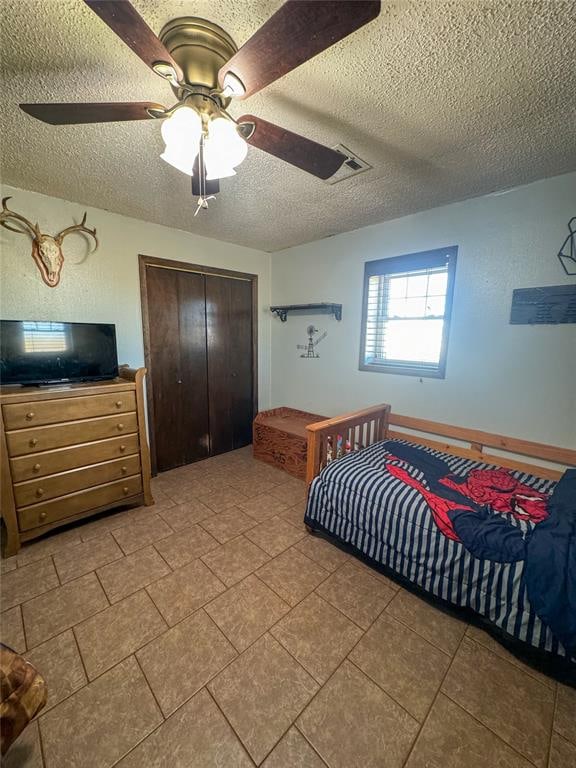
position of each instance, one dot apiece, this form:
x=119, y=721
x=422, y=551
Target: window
x=406, y=313
x=44, y=337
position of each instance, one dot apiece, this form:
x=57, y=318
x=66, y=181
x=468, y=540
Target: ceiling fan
x=206, y=71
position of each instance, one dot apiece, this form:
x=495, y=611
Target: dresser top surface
x=23, y=394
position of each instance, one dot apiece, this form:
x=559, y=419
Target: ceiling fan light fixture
x=224, y=149
x=181, y=133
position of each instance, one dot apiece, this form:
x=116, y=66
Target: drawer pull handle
x=43, y=515
x=36, y=467
x=118, y=403
x=33, y=442
x=120, y=427
x=39, y=491
x=125, y=491
x=124, y=470
x=122, y=448
x=30, y=415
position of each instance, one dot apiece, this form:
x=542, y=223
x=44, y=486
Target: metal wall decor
x=567, y=252
x=46, y=249
x=310, y=348
x=548, y=305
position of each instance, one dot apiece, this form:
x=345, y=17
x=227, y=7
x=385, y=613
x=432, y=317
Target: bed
x=483, y=533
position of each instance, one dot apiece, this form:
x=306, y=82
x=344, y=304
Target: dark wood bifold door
x=200, y=346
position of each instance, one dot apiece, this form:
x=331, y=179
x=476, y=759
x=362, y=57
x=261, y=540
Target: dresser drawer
x=22, y=415
x=49, y=462
x=37, y=439
x=34, y=491
x=81, y=501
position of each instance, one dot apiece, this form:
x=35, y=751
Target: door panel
x=230, y=386
x=177, y=365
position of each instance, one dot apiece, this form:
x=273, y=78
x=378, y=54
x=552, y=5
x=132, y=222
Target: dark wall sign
x=552, y=304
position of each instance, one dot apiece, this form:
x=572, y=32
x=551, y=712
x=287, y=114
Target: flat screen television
x=33, y=352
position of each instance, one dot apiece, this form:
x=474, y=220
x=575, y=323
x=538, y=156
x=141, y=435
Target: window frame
x=411, y=262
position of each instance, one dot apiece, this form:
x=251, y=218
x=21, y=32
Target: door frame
x=145, y=262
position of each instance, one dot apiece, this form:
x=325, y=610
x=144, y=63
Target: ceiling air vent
x=352, y=166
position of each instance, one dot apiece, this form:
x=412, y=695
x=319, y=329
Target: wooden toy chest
x=280, y=438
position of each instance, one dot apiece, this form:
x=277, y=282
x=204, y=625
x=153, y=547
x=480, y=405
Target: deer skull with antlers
x=46, y=249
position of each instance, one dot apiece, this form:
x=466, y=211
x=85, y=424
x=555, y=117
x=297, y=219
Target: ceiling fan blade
x=126, y=22
x=304, y=153
x=74, y=114
x=295, y=33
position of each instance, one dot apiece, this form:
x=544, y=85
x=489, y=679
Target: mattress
x=458, y=529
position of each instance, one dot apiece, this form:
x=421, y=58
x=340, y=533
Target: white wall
x=518, y=380
x=104, y=286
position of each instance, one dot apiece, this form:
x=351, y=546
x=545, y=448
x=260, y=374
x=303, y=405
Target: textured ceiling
x=446, y=100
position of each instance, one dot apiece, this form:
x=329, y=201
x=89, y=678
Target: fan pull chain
x=202, y=203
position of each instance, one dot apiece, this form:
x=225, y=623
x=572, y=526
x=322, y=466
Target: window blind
x=44, y=337
x=406, y=311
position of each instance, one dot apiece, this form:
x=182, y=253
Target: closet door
x=230, y=351
x=177, y=341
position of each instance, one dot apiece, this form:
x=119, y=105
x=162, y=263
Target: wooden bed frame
x=371, y=425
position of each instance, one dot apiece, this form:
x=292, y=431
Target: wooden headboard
x=330, y=439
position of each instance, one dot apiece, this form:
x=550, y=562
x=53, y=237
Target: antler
x=77, y=228
x=6, y=214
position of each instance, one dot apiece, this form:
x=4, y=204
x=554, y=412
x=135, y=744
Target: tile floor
x=211, y=630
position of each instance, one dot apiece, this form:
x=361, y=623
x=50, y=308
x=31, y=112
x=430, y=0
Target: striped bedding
x=363, y=502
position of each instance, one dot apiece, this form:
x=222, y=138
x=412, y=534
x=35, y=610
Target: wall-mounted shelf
x=311, y=309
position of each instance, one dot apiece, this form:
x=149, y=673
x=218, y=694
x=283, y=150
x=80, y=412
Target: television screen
x=33, y=352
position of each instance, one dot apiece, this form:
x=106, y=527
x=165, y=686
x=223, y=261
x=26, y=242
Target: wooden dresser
x=70, y=451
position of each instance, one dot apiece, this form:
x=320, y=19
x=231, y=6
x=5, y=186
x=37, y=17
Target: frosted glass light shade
x=224, y=149
x=181, y=133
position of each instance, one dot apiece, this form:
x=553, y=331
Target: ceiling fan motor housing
x=200, y=48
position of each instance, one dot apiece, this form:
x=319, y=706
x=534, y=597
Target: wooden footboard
x=333, y=438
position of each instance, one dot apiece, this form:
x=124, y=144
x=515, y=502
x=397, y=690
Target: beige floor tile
x=181, y=593
x=83, y=558
x=293, y=751
x=139, y=534
x=405, y=665
x=47, y=545
x=322, y=552
x=293, y=492
x=483, y=638
x=229, y=524
x=12, y=629
x=195, y=736
x=188, y=490
x=103, y=524
x=562, y=753
x=317, y=635
x=25, y=583
x=8, y=564
x=295, y=516
x=352, y=723
x=110, y=636
x=26, y=751
x=184, y=659
x=436, y=626
x=565, y=715
x=246, y=611
x=184, y=515
x=495, y=692
x=59, y=663
x=186, y=545
x=263, y=507
x=292, y=575
x=357, y=593
x=261, y=694
x=50, y=614
x=99, y=724
x=251, y=488
x=232, y=561
x=222, y=499
x=451, y=738
x=131, y=573
x=274, y=535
